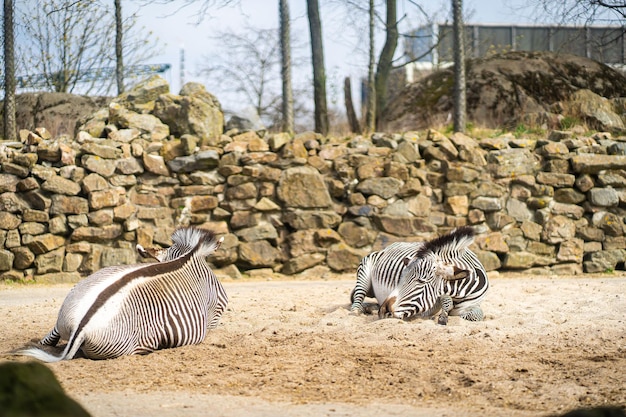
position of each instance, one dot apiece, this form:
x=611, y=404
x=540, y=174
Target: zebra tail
x=69, y=352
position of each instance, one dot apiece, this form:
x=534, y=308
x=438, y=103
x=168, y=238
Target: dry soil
x=291, y=348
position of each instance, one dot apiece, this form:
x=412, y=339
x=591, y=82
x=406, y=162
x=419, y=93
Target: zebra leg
x=51, y=338
x=446, y=305
x=359, y=306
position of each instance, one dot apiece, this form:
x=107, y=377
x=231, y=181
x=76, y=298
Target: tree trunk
x=119, y=61
x=285, y=52
x=370, y=115
x=352, y=119
x=10, y=128
x=319, y=77
x=458, y=118
x=386, y=59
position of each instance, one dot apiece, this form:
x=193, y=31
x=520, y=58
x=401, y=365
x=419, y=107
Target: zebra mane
x=457, y=240
x=193, y=238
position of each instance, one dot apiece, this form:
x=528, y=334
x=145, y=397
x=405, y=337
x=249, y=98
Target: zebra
x=137, y=309
x=443, y=275
x=379, y=272
x=178, y=248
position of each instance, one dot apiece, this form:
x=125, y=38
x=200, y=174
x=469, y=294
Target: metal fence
x=432, y=44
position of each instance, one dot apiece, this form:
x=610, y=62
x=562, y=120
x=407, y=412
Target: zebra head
x=426, y=274
x=183, y=240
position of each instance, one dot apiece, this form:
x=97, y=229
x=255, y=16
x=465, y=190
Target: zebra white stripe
x=137, y=309
x=444, y=275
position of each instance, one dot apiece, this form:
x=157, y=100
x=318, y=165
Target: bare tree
x=68, y=43
x=247, y=67
x=385, y=61
x=581, y=11
x=285, y=53
x=353, y=121
x=370, y=112
x=319, y=72
x=119, y=49
x=10, y=129
x=459, y=115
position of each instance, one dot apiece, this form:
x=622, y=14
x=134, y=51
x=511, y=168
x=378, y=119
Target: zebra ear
x=459, y=274
x=142, y=252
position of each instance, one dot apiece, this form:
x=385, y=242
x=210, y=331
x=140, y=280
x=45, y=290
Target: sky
x=178, y=30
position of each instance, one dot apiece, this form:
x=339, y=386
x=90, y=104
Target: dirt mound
x=57, y=112
x=501, y=88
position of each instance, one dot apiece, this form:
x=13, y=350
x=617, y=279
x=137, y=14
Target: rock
x=45, y=243
x=342, y=258
x=603, y=197
x=558, y=229
x=571, y=251
x=295, y=265
x=97, y=234
x=9, y=221
x=202, y=161
x=303, y=187
x=569, y=196
x=195, y=111
x=489, y=260
x=118, y=256
x=356, y=236
x=31, y=389
x=609, y=223
x=403, y=226
x=593, y=163
x=257, y=254
x=61, y=204
x=145, y=123
x=103, y=167
x=385, y=187
x=318, y=219
x=60, y=185
x=155, y=164
x=6, y=260
x=603, y=261
x=263, y=231
x=51, y=262
x=141, y=98
x=596, y=111
x=510, y=163
x=24, y=258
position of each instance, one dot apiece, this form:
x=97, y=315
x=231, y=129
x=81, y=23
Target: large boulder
x=31, y=389
x=503, y=88
x=58, y=112
x=195, y=112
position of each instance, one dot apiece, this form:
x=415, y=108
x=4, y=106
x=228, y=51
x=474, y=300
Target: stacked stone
x=153, y=161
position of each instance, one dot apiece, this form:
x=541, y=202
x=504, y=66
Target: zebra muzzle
x=386, y=309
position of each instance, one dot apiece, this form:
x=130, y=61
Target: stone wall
x=70, y=206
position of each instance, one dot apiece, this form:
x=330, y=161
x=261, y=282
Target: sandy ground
x=291, y=348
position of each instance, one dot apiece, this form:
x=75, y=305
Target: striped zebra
x=443, y=275
x=137, y=309
x=379, y=272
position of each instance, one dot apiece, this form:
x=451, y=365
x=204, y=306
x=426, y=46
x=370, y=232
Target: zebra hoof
x=355, y=311
x=443, y=320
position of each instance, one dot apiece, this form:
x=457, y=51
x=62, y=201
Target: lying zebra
x=137, y=309
x=420, y=279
